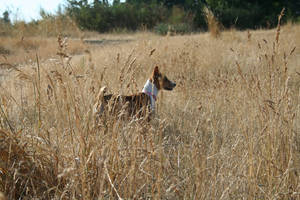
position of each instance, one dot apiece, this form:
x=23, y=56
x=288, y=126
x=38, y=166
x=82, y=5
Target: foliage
x=180, y=28
x=102, y=17
x=5, y=24
x=251, y=14
x=131, y=15
x=6, y=18
x=161, y=29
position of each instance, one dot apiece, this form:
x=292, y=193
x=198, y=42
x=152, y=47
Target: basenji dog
x=140, y=105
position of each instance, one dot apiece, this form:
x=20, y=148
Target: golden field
x=229, y=130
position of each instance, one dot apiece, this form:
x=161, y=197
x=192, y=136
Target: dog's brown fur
x=136, y=105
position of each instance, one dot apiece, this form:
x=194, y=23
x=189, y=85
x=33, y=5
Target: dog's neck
x=151, y=90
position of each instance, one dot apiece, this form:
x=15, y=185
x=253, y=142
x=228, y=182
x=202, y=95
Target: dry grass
x=20, y=41
x=15, y=50
x=230, y=130
x=213, y=24
x=49, y=26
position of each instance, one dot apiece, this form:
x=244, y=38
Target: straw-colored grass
x=20, y=50
x=213, y=24
x=229, y=130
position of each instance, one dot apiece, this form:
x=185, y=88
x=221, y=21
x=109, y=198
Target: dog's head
x=161, y=81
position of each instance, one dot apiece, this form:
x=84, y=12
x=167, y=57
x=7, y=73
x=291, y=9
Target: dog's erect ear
x=155, y=71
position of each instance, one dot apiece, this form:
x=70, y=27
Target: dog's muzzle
x=171, y=87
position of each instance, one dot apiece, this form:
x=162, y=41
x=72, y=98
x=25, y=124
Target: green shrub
x=161, y=29
x=181, y=28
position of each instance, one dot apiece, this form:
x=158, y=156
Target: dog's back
x=128, y=106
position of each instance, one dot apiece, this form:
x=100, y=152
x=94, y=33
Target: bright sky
x=28, y=9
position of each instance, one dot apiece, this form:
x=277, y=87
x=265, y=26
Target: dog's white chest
x=151, y=90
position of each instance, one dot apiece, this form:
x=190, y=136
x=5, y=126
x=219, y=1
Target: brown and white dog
x=140, y=105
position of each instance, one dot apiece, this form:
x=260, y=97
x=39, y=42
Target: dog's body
x=140, y=105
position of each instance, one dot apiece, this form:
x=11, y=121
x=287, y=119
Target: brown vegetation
x=229, y=130
x=212, y=23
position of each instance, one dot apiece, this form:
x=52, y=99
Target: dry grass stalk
x=2, y=196
x=212, y=22
x=278, y=29
x=278, y=25
x=248, y=36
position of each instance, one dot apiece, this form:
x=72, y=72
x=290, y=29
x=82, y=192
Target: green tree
x=250, y=13
x=100, y=15
x=6, y=18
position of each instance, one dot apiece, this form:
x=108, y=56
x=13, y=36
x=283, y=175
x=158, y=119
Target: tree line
x=181, y=15
x=102, y=16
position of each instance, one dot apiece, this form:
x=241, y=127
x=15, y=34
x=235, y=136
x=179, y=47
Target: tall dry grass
x=230, y=130
x=48, y=26
x=20, y=41
x=20, y=50
x=214, y=26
